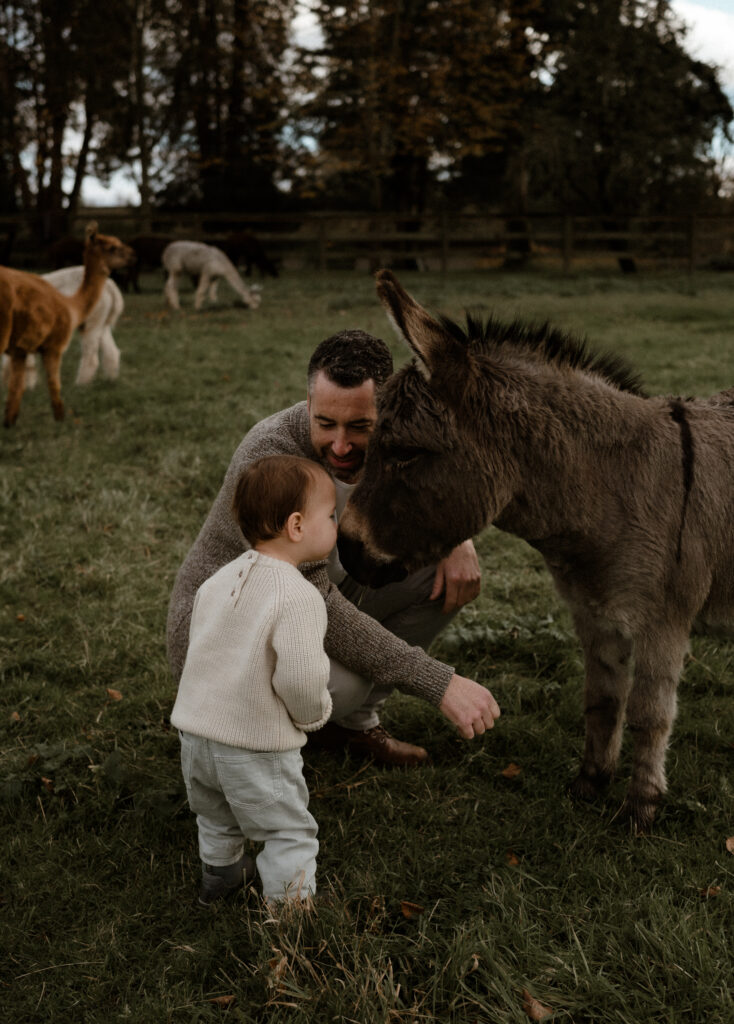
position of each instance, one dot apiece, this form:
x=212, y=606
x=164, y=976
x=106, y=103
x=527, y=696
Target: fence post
x=444, y=242
x=691, y=232
x=321, y=244
x=567, y=243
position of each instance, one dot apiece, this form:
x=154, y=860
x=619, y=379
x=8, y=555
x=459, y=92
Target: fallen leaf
x=512, y=771
x=20, y=617
x=512, y=858
x=48, y=783
x=114, y=694
x=14, y=717
x=730, y=844
x=222, y=1000
x=410, y=910
x=534, y=1009
x=712, y=890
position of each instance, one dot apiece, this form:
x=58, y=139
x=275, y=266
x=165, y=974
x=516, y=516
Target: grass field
x=451, y=893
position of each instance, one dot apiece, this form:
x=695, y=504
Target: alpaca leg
x=16, y=386
x=170, y=290
x=202, y=288
x=110, y=355
x=52, y=366
x=650, y=714
x=31, y=374
x=90, y=339
x=608, y=680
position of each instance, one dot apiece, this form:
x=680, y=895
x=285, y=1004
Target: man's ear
x=294, y=527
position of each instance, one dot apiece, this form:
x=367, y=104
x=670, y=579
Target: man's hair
x=349, y=358
x=269, y=491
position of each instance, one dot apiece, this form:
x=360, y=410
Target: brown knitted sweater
x=352, y=638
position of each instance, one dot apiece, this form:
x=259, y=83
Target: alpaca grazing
x=628, y=499
x=36, y=317
x=95, y=333
x=206, y=264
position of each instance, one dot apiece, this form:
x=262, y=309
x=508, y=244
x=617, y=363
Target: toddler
x=254, y=684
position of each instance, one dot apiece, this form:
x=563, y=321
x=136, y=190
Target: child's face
x=319, y=520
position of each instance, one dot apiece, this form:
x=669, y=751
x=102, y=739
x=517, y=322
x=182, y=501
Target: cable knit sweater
x=256, y=672
x=352, y=638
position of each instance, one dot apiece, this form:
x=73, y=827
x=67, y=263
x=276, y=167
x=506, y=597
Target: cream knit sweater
x=256, y=672
x=355, y=640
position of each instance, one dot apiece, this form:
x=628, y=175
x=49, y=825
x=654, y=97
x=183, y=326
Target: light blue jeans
x=239, y=794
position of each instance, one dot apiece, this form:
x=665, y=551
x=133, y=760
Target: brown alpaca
x=35, y=317
x=627, y=498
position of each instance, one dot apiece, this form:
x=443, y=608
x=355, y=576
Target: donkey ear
x=430, y=342
x=91, y=230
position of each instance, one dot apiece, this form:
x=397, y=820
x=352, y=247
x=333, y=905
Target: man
x=375, y=639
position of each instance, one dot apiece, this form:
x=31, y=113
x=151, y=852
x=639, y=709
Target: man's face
x=341, y=420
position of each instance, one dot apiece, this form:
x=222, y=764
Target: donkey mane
x=549, y=343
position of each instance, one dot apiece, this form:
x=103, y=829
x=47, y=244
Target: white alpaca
x=95, y=333
x=208, y=264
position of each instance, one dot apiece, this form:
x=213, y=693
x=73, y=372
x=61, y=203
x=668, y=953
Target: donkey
x=628, y=498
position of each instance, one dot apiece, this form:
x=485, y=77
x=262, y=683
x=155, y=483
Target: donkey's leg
x=16, y=386
x=607, y=652
x=213, y=289
x=650, y=713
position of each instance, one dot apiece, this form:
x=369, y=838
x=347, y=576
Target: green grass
x=519, y=889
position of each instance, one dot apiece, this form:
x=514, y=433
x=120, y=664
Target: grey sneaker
x=218, y=883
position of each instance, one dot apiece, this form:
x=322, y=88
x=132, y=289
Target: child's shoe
x=217, y=883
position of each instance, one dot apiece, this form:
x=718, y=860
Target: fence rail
x=440, y=241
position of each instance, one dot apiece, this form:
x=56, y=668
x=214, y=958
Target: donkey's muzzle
x=365, y=570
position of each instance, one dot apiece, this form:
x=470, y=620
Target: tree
x=627, y=122
x=402, y=91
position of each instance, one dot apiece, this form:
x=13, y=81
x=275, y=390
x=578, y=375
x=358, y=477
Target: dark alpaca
x=242, y=247
x=149, y=252
x=627, y=498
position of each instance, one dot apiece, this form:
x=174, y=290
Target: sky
x=710, y=38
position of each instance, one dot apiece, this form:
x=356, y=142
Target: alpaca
x=36, y=317
x=207, y=264
x=95, y=332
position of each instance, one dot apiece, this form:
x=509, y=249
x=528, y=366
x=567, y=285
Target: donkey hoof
x=640, y=813
x=588, y=787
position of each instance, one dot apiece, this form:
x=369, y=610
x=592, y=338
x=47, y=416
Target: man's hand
x=458, y=577
x=470, y=707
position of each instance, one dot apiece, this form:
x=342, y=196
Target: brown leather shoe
x=376, y=743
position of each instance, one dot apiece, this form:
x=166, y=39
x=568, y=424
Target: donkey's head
x=423, y=488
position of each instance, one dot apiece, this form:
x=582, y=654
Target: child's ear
x=294, y=527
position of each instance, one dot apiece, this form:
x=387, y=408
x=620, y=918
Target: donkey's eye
x=404, y=455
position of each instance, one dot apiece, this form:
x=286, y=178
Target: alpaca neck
x=84, y=300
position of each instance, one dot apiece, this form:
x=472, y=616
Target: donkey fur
x=629, y=499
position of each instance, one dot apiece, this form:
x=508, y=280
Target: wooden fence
x=442, y=241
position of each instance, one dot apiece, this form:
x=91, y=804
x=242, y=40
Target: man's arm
x=458, y=578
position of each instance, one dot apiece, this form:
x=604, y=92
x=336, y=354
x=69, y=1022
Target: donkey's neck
x=564, y=446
